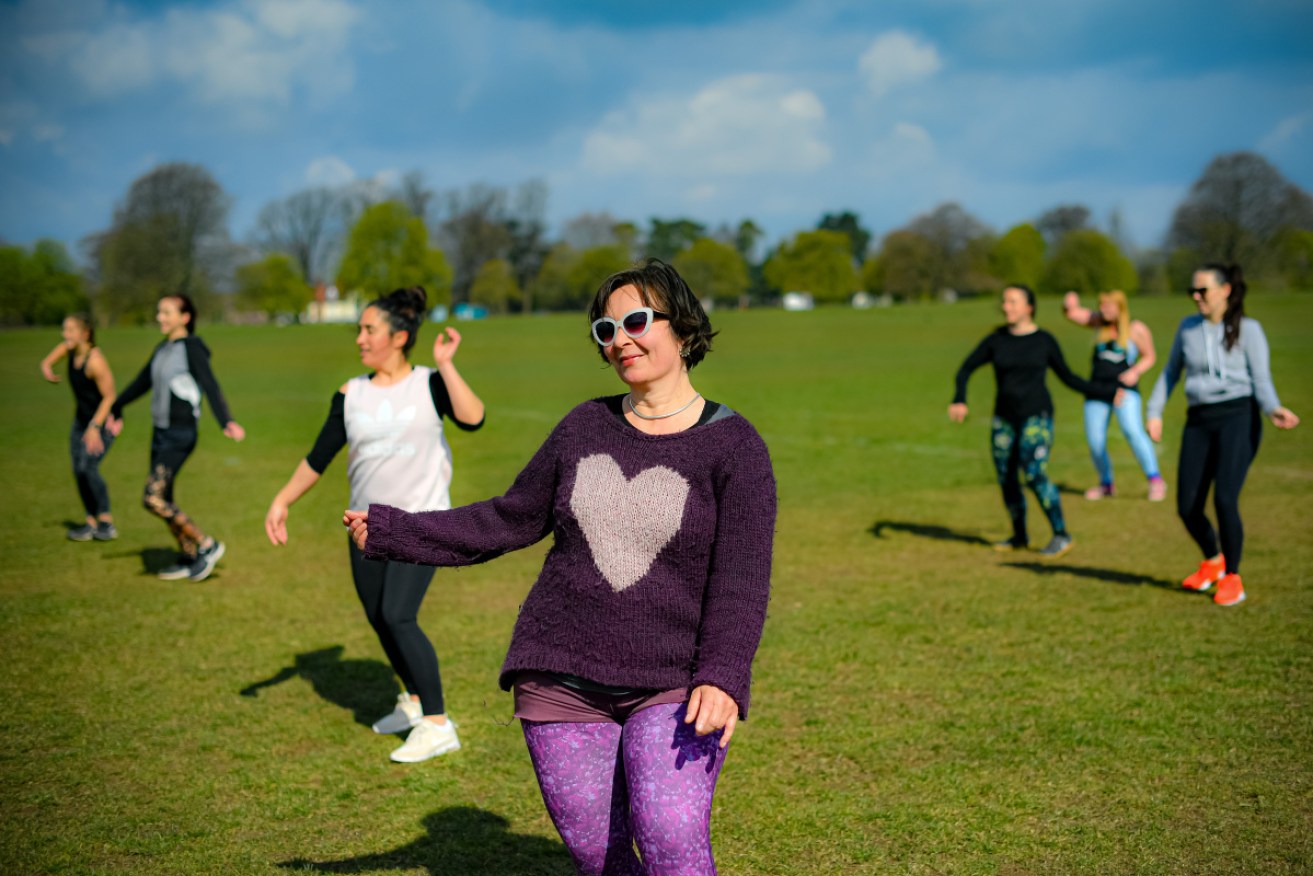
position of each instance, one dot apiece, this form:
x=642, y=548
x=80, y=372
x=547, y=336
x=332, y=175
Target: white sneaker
x=428, y=739
x=407, y=714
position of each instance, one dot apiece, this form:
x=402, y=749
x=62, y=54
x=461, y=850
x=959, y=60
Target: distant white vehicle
x=798, y=301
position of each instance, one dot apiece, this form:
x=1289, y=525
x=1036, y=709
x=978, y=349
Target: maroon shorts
x=541, y=696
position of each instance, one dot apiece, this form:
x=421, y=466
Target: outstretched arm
x=1071, y=308
x=48, y=363
x=466, y=407
x=275, y=520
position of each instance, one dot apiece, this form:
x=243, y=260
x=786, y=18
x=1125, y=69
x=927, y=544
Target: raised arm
x=466, y=407
x=1072, y=309
x=48, y=363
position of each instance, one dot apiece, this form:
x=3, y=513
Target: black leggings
x=391, y=593
x=169, y=449
x=1217, y=447
x=86, y=471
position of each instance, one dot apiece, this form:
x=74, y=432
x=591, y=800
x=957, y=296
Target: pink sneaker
x=1157, y=490
x=1102, y=491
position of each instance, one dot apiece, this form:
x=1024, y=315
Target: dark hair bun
x=413, y=301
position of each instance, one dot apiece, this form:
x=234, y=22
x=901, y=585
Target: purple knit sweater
x=660, y=569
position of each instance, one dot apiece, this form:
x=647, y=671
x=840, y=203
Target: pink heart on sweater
x=626, y=522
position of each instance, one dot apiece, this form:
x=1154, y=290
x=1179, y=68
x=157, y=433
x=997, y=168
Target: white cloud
x=740, y=125
x=329, y=171
x=239, y=51
x=896, y=59
x=913, y=134
x=1285, y=131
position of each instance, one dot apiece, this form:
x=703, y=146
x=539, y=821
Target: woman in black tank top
x=92, y=383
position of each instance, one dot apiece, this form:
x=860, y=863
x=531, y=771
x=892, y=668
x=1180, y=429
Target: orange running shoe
x=1210, y=572
x=1230, y=591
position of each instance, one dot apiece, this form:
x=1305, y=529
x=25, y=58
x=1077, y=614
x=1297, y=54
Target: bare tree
x=473, y=232
x=307, y=226
x=1235, y=211
x=959, y=250
x=1058, y=222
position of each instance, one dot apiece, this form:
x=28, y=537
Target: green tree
x=273, y=285
x=1087, y=261
x=713, y=270
x=904, y=268
x=168, y=237
x=666, y=239
x=569, y=277
x=1018, y=256
x=850, y=224
x=819, y=262
x=1294, y=255
x=494, y=286
x=388, y=249
x=39, y=287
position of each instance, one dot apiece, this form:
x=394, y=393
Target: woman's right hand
x=48, y=374
x=275, y=522
x=957, y=412
x=1070, y=302
x=358, y=523
x=1155, y=429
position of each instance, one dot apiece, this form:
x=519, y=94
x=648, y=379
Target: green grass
x=921, y=704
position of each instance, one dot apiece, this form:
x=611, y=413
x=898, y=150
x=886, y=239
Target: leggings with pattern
x=1022, y=451
x=169, y=449
x=648, y=781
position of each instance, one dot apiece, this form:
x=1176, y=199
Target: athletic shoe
x=1102, y=491
x=1157, y=490
x=1230, y=591
x=1010, y=544
x=105, y=532
x=85, y=532
x=1058, y=546
x=407, y=714
x=206, y=560
x=176, y=571
x=1210, y=572
x=428, y=739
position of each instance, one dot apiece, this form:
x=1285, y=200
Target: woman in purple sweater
x=631, y=658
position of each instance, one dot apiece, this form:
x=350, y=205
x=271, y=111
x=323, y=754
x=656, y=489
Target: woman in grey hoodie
x=1223, y=355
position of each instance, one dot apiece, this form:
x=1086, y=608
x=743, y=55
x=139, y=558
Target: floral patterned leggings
x=648, y=781
x=1022, y=451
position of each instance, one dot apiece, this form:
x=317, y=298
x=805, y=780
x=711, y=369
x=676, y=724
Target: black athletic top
x=174, y=370
x=85, y=392
x=332, y=436
x=1020, y=365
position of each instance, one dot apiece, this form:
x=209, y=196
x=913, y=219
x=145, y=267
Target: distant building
x=331, y=306
x=798, y=301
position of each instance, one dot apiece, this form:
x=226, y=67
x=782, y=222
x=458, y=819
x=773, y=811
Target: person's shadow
x=153, y=559
x=1111, y=576
x=925, y=530
x=366, y=687
x=461, y=840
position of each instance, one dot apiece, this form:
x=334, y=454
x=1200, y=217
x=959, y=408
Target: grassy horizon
x=921, y=704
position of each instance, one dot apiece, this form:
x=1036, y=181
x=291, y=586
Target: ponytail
x=1235, y=305
x=405, y=309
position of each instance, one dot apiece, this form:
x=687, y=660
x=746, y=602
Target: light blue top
x=1213, y=373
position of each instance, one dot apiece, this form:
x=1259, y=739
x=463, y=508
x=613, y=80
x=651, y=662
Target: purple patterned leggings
x=648, y=781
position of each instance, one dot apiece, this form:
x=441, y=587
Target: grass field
x=922, y=705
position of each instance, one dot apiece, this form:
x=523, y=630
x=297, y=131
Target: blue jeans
x=1097, y=416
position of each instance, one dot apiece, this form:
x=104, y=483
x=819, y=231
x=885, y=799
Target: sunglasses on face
x=1197, y=290
x=635, y=323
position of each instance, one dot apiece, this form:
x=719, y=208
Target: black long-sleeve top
x=176, y=374
x=1020, y=365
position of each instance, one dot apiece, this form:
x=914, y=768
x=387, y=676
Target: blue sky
x=769, y=110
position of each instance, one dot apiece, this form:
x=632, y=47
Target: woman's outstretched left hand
x=358, y=523
x=1284, y=418
x=234, y=431
x=711, y=709
x=445, y=346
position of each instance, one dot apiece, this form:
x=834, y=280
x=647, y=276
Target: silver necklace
x=629, y=399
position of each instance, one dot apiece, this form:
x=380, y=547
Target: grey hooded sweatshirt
x=1213, y=373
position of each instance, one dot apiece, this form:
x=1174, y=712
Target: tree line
x=489, y=245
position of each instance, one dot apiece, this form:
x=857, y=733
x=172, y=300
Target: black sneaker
x=1011, y=544
x=177, y=571
x=1057, y=547
x=105, y=532
x=81, y=533
x=206, y=561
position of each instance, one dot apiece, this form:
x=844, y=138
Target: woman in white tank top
x=391, y=421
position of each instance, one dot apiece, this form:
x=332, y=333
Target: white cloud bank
x=896, y=59
x=740, y=125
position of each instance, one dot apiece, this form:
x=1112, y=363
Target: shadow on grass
x=925, y=530
x=465, y=840
x=153, y=559
x=1068, y=490
x=366, y=687
x=1112, y=576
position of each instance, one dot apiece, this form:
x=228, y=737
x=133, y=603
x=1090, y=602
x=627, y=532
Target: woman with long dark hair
x=89, y=440
x=1223, y=356
x=177, y=375
x=1021, y=434
x=631, y=658
x=391, y=421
